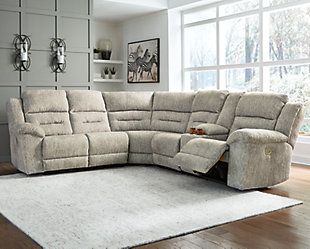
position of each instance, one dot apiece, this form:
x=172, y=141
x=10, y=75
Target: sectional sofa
x=253, y=132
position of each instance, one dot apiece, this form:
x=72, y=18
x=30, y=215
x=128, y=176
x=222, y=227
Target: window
x=249, y=45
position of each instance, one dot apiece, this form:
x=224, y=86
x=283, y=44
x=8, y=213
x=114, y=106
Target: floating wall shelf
x=109, y=62
x=108, y=81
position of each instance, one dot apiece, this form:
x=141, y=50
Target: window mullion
x=218, y=77
x=264, y=84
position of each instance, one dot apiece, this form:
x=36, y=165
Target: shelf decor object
x=22, y=44
x=58, y=48
x=143, y=61
x=106, y=49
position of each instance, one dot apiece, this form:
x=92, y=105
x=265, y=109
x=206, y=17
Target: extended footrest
x=199, y=155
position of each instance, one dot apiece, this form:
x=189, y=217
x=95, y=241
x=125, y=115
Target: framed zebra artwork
x=143, y=61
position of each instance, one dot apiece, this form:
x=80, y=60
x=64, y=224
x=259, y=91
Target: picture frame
x=143, y=61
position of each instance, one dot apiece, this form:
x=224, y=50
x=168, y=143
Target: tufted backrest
x=171, y=111
x=258, y=111
x=48, y=109
x=87, y=111
x=129, y=110
x=206, y=107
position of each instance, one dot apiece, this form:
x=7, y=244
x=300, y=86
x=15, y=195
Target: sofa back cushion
x=206, y=107
x=49, y=109
x=87, y=112
x=227, y=115
x=171, y=111
x=290, y=120
x=258, y=111
x=129, y=111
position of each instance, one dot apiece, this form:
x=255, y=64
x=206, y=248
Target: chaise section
x=199, y=155
x=87, y=112
x=106, y=148
x=65, y=152
x=140, y=147
x=129, y=111
x=165, y=146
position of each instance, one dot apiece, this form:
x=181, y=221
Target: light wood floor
x=285, y=229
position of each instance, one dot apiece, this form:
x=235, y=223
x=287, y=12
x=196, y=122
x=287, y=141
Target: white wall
x=143, y=28
x=114, y=32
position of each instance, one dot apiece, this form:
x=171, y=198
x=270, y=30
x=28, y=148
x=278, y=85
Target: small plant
x=113, y=71
x=96, y=51
x=106, y=70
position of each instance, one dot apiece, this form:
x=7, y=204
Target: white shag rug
x=123, y=207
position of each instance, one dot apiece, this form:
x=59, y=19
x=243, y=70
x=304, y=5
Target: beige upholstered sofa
x=254, y=132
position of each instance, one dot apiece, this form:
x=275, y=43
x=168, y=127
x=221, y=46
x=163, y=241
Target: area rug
x=123, y=207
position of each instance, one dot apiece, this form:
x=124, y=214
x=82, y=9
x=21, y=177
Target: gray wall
x=43, y=20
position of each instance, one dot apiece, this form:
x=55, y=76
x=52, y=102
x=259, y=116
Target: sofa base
x=65, y=163
x=108, y=159
x=140, y=158
x=165, y=161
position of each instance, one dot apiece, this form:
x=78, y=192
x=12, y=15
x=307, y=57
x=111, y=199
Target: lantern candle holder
x=58, y=49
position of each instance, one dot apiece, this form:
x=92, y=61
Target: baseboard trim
x=301, y=159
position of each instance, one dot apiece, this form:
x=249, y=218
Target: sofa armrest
x=29, y=129
x=213, y=129
x=256, y=136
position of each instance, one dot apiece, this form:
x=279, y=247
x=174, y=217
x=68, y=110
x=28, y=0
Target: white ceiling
x=121, y=10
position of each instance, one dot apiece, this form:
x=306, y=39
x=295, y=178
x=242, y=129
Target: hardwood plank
x=288, y=228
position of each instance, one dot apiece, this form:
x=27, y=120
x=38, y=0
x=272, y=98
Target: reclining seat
x=131, y=112
x=261, y=140
x=89, y=117
x=171, y=112
x=55, y=146
x=213, y=111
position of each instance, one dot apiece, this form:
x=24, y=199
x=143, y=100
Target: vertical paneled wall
x=43, y=20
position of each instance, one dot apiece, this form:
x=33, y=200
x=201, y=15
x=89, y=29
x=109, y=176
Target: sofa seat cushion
x=107, y=148
x=56, y=147
x=141, y=141
x=101, y=143
x=166, y=144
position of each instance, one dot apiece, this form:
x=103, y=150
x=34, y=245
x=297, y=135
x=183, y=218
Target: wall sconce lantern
x=22, y=44
x=58, y=47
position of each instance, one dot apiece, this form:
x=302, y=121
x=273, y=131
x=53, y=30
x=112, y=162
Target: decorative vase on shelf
x=106, y=73
x=113, y=73
x=106, y=49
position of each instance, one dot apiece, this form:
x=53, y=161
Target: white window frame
x=262, y=62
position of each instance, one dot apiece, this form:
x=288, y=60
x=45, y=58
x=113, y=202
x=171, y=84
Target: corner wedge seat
x=107, y=148
x=65, y=152
x=140, y=147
